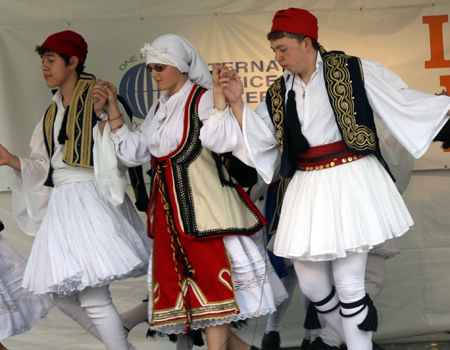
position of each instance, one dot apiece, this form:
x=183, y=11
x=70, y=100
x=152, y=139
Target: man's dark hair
x=278, y=34
x=41, y=50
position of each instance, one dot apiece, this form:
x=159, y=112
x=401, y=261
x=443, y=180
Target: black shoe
x=271, y=341
x=305, y=344
x=319, y=344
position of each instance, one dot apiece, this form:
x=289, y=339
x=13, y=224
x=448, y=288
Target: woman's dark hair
x=278, y=34
x=41, y=50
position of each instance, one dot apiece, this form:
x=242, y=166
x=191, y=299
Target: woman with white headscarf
x=205, y=271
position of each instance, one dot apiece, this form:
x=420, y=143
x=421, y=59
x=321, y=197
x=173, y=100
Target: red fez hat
x=67, y=43
x=295, y=20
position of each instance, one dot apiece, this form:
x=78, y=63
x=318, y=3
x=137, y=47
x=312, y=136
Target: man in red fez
x=88, y=232
x=63, y=55
x=316, y=131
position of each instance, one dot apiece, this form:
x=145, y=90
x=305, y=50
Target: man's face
x=290, y=54
x=55, y=70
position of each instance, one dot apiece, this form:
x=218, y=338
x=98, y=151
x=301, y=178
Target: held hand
x=99, y=97
x=4, y=156
x=233, y=89
x=216, y=76
x=112, y=105
x=231, y=85
x=104, y=94
x=220, y=101
x=443, y=92
x=9, y=159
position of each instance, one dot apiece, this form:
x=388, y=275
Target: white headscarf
x=178, y=52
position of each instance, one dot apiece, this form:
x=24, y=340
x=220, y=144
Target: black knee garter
x=370, y=323
x=312, y=319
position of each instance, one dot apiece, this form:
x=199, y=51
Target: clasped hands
x=104, y=96
x=227, y=87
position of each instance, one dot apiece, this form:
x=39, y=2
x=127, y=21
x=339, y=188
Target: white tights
x=93, y=309
x=374, y=280
x=348, y=273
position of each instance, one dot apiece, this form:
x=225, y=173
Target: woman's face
x=170, y=78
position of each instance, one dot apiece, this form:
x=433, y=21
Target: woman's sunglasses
x=158, y=69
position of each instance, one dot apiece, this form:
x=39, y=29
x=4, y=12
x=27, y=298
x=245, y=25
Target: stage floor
x=59, y=332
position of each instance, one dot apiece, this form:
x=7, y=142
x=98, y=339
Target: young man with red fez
x=88, y=233
x=316, y=127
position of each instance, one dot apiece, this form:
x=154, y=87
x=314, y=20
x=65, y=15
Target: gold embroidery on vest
x=340, y=90
x=277, y=112
x=82, y=94
x=49, y=120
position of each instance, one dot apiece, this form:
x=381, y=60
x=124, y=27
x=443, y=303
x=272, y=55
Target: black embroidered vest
x=344, y=81
x=78, y=148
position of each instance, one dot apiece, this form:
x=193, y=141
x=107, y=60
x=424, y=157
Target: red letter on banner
x=436, y=42
x=445, y=82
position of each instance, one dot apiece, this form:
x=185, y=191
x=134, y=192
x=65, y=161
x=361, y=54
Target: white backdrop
x=395, y=33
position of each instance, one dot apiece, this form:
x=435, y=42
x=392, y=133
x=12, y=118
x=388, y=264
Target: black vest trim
x=344, y=81
x=187, y=152
x=276, y=107
x=190, y=150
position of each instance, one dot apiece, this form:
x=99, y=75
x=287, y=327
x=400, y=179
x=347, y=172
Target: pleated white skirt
x=19, y=308
x=258, y=290
x=330, y=213
x=84, y=241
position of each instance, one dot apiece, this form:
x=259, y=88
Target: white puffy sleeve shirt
x=30, y=196
x=412, y=116
x=162, y=131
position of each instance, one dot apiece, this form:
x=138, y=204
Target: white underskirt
x=258, y=290
x=84, y=241
x=19, y=308
x=330, y=213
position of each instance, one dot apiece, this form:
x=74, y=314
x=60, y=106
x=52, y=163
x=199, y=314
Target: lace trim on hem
x=13, y=306
x=180, y=327
x=30, y=325
x=281, y=298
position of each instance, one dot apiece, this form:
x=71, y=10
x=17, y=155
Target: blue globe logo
x=136, y=88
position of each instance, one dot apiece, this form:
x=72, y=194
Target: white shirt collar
x=165, y=96
x=168, y=104
x=287, y=74
x=57, y=96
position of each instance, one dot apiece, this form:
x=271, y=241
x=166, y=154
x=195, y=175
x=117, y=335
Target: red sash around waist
x=327, y=156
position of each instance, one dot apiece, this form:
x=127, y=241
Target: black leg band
x=370, y=323
x=312, y=319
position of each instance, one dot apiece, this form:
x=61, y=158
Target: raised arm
x=104, y=96
x=232, y=89
x=220, y=101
